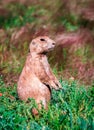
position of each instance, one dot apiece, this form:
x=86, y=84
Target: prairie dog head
x=41, y=45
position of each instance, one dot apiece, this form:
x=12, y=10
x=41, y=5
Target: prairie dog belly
x=32, y=88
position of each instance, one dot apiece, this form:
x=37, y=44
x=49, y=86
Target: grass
x=19, y=16
x=69, y=109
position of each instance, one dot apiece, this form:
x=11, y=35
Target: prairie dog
x=36, y=76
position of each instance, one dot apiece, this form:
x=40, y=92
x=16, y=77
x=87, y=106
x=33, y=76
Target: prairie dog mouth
x=46, y=51
x=50, y=49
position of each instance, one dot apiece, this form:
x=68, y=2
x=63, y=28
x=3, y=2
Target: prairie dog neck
x=35, y=55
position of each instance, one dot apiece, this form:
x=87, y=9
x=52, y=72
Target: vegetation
x=20, y=16
x=70, y=109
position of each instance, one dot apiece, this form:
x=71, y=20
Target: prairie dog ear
x=33, y=42
x=32, y=46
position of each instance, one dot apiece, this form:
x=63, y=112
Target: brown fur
x=36, y=75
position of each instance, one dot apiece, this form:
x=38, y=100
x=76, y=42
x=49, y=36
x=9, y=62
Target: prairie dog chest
x=45, y=63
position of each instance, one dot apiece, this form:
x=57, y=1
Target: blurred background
x=69, y=23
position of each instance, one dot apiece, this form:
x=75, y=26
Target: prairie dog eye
x=42, y=39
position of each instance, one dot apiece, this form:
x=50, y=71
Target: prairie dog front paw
x=58, y=84
x=55, y=85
